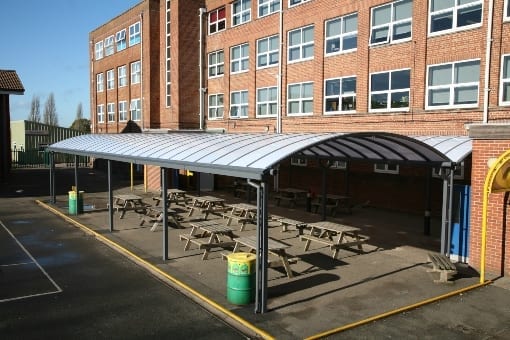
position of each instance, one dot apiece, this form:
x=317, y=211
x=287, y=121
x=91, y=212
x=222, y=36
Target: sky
x=47, y=43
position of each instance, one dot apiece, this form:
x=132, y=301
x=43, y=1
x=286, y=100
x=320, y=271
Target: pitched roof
x=10, y=83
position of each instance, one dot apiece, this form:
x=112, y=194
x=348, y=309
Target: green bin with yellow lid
x=241, y=278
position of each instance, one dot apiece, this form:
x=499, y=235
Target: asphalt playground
x=64, y=276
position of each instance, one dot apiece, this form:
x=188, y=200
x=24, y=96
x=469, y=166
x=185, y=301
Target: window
x=99, y=82
x=267, y=98
x=239, y=104
x=122, y=111
x=391, y=22
x=267, y=51
x=298, y=161
x=121, y=73
x=339, y=165
x=108, y=46
x=134, y=34
x=342, y=34
x=136, y=72
x=300, y=98
x=168, y=57
x=458, y=173
x=216, y=64
x=100, y=113
x=241, y=12
x=216, y=106
x=135, y=109
x=453, y=85
x=386, y=168
x=506, y=10
x=217, y=21
x=504, y=90
x=110, y=108
x=110, y=79
x=296, y=2
x=267, y=7
x=389, y=91
x=454, y=15
x=239, y=58
x=340, y=95
x=99, y=50
x=120, y=39
x=301, y=44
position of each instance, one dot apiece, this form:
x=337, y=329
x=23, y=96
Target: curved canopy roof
x=254, y=155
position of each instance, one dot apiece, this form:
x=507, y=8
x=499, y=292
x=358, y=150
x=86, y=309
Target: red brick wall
x=498, y=235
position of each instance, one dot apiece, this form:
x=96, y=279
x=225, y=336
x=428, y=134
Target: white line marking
x=59, y=290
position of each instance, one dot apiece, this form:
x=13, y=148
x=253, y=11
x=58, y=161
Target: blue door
x=460, y=222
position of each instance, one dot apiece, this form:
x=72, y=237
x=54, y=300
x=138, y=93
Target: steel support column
x=164, y=197
x=110, y=195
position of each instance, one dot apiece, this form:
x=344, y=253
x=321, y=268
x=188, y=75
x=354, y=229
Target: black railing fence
x=37, y=158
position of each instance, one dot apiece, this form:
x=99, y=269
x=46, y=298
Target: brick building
x=415, y=68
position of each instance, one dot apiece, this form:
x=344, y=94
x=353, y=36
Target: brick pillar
x=489, y=141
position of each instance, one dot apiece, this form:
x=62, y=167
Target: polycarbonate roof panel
x=253, y=155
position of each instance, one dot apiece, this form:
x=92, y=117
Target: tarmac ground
x=360, y=295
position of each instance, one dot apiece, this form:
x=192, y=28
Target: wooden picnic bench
x=209, y=238
x=127, y=202
x=333, y=204
x=288, y=222
x=443, y=265
x=243, y=213
x=154, y=215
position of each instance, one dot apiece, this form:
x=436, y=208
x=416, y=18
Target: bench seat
x=443, y=265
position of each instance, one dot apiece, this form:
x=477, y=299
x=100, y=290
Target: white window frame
x=217, y=66
x=168, y=56
x=98, y=50
x=338, y=165
x=302, y=45
x=454, y=10
x=135, y=35
x=213, y=110
x=122, y=76
x=268, y=102
x=457, y=174
x=339, y=96
x=451, y=87
x=268, y=53
x=391, y=25
x=136, y=72
x=389, y=92
x=506, y=11
x=385, y=168
x=109, y=47
x=504, y=81
x=120, y=40
x=293, y=3
x=135, y=110
x=110, y=79
x=219, y=24
x=243, y=15
x=268, y=7
x=241, y=107
x=100, y=113
x=110, y=110
x=123, y=111
x=100, y=82
x=298, y=161
x=340, y=37
x=241, y=63
x=301, y=100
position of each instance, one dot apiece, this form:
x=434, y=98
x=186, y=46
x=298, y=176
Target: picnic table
x=291, y=195
x=212, y=235
x=241, y=212
x=275, y=248
x=206, y=205
x=125, y=202
x=334, y=235
x=288, y=222
x=173, y=195
x=154, y=215
x=333, y=203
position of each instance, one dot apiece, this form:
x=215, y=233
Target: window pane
x=440, y=22
x=402, y=31
x=467, y=72
x=262, y=60
x=438, y=5
x=294, y=107
x=349, y=85
x=333, y=27
x=400, y=79
x=235, y=98
x=307, y=90
x=469, y=16
x=332, y=87
x=439, y=97
x=294, y=91
x=381, y=15
x=332, y=104
x=400, y=99
x=333, y=45
x=379, y=101
x=308, y=51
x=262, y=95
x=294, y=37
x=236, y=53
x=273, y=43
x=466, y=95
x=350, y=42
x=506, y=92
x=307, y=106
x=348, y=103
x=380, y=35
x=262, y=46
x=380, y=82
x=262, y=110
x=308, y=34
x=273, y=93
x=506, y=67
x=294, y=53
x=273, y=58
x=350, y=23
x=440, y=75
x=403, y=9
x=212, y=100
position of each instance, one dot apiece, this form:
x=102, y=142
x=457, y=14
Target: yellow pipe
x=145, y=184
x=155, y=270
x=131, y=176
x=395, y=311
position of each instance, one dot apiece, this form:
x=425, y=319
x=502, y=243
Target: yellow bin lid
x=241, y=257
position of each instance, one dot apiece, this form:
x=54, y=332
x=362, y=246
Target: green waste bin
x=75, y=204
x=241, y=278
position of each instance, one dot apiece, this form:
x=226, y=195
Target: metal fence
x=37, y=158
